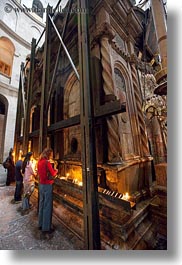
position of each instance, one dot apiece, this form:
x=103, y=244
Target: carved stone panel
x=72, y=135
x=124, y=130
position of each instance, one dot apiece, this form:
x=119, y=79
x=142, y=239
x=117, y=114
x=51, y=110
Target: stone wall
x=19, y=27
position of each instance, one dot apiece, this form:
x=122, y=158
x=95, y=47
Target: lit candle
x=126, y=196
x=112, y=193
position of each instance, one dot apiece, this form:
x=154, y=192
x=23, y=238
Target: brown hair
x=46, y=153
x=26, y=161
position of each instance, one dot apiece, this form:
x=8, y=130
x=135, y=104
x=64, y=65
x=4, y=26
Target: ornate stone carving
x=120, y=50
x=148, y=85
x=104, y=29
x=143, y=66
x=114, y=149
x=143, y=134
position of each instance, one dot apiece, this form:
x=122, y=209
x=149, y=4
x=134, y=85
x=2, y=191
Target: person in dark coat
x=19, y=181
x=10, y=166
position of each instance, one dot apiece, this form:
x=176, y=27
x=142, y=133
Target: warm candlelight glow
x=75, y=181
x=67, y=175
x=20, y=154
x=34, y=163
x=126, y=196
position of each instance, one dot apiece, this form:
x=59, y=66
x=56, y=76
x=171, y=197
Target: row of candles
x=117, y=194
x=75, y=181
x=80, y=183
x=124, y=196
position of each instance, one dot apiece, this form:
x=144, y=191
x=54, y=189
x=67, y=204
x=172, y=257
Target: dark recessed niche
x=74, y=145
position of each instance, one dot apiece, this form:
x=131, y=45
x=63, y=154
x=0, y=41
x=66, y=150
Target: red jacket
x=42, y=167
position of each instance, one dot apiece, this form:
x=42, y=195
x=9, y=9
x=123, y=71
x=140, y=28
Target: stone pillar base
x=3, y=176
x=161, y=174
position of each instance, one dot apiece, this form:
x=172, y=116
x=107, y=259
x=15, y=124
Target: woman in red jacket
x=46, y=175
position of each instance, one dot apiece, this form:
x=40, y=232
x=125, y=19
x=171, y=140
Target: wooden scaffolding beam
x=26, y=128
x=45, y=85
x=89, y=165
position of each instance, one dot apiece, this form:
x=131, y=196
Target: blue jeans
x=26, y=203
x=18, y=190
x=26, y=197
x=45, y=206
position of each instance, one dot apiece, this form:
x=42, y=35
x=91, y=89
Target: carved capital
x=120, y=51
x=134, y=59
x=143, y=66
x=104, y=30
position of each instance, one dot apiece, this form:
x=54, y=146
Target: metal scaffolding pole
x=45, y=85
x=64, y=47
x=58, y=56
x=19, y=112
x=89, y=166
x=26, y=128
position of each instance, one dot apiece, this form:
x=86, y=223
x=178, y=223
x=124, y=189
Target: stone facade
x=55, y=119
x=18, y=28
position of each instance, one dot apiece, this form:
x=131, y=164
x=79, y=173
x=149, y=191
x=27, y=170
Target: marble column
x=137, y=94
x=161, y=34
x=114, y=145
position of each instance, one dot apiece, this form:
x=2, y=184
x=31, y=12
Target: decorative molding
x=8, y=90
x=142, y=66
x=161, y=75
x=28, y=13
x=137, y=94
x=120, y=51
x=104, y=29
x=114, y=146
x=15, y=36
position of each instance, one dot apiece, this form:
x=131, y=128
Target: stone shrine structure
x=132, y=208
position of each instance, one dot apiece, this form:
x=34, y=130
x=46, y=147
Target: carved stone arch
x=36, y=32
x=122, y=91
x=124, y=72
x=123, y=94
x=7, y=50
x=70, y=83
x=72, y=135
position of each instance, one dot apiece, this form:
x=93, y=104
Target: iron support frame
x=89, y=165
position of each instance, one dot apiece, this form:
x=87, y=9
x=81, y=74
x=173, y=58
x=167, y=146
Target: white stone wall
x=53, y=3
x=11, y=95
x=20, y=28
x=23, y=23
x=21, y=51
x=10, y=124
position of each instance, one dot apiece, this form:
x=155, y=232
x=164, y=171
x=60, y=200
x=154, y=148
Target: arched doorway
x=72, y=135
x=3, y=115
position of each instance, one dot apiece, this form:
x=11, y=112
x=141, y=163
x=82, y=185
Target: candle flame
x=126, y=196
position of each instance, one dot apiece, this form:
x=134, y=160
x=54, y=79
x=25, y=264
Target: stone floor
x=19, y=232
